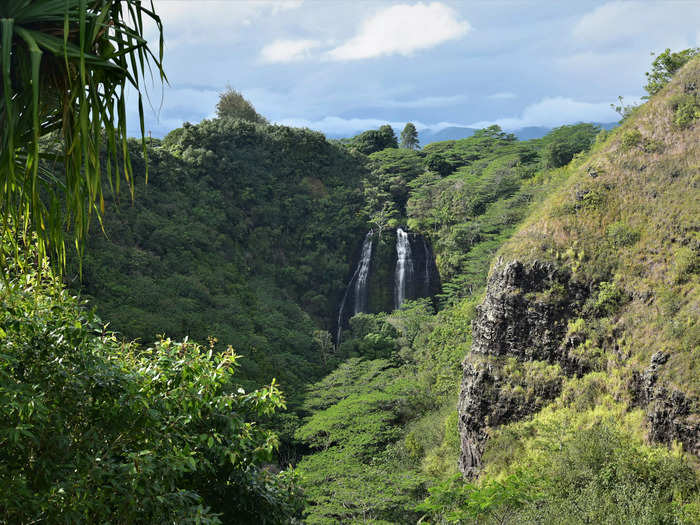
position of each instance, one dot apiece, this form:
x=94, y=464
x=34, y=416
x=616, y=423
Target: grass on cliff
x=629, y=216
x=624, y=222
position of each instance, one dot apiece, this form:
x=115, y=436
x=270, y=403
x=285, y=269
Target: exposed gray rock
x=519, y=318
x=668, y=410
x=524, y=315
x=474, y=408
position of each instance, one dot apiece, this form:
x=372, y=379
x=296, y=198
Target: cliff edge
x=603, y=279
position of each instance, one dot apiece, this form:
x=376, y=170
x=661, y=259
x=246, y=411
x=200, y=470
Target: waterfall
x=404, y=267
x=362, y=274
x=359, y=277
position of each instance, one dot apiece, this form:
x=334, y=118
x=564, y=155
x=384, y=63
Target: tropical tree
x=233, y=104
x=374, y=140
x=564, y=142
x=324, y=342
x=409, y=136
x=97, y=430
x=665, y=65
x=66, y=66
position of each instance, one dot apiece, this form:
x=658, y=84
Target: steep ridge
x=596, y=297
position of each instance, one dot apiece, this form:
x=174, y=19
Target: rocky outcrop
x=524, y=316
x=524, y=320
x=525, y=312
x=668, y=411
x=474, y=407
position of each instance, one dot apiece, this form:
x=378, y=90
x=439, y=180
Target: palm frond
x=66, y=65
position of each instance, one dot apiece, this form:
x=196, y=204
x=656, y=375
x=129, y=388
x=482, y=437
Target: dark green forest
x=236, y=220
x=185, y=363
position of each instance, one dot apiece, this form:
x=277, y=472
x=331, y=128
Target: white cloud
x=288, y=50
x=180, y=104
x=560, y=110
x=504, y=95
x=425, y=102
x=401, y=30
x=549, y=112
x=285, y=5
x=187, y=104
x=212, y=20
x=623, y=24
x=557, y=111
x=338, y=126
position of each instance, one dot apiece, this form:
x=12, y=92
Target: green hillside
x=579, y=397
x=234, y=223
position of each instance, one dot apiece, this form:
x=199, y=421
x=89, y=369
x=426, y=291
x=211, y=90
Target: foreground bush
x=572, y=468
x=97, y=431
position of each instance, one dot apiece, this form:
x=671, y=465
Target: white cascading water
x=359, y=277
x=404, y=266
x=362, y=274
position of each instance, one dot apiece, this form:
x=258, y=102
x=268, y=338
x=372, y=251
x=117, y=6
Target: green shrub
x=588, y=356
x=493, y=501
x=685, y=263
x=590, y=198
x=652, y=146
x=609, y=299
x=686, y=109
x=620, y=234
x=631, y=139
x=602, y=475
x=93, y=430
x=581, y=465
x=413, y=447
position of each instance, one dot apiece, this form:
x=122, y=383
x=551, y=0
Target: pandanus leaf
x=65, y=67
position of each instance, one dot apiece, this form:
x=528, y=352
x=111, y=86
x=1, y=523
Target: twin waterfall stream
x=404, y=267
x=361, y=290
x=414, y=275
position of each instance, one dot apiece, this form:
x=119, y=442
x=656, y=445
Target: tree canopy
x=233, y=105
x=409, y=136
x=562, y=143
x=665, y=65
x=374, y=140
x=95, y=430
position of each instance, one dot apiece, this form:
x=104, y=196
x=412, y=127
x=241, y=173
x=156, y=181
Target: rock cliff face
x=524, y=319
x=668, y=410
x=524, y=316
x=525, y=311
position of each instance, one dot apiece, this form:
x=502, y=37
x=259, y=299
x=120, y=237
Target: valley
x=245, y=322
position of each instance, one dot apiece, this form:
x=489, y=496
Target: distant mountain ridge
x=427, y=136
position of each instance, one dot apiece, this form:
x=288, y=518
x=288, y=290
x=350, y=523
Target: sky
x=341, y=67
